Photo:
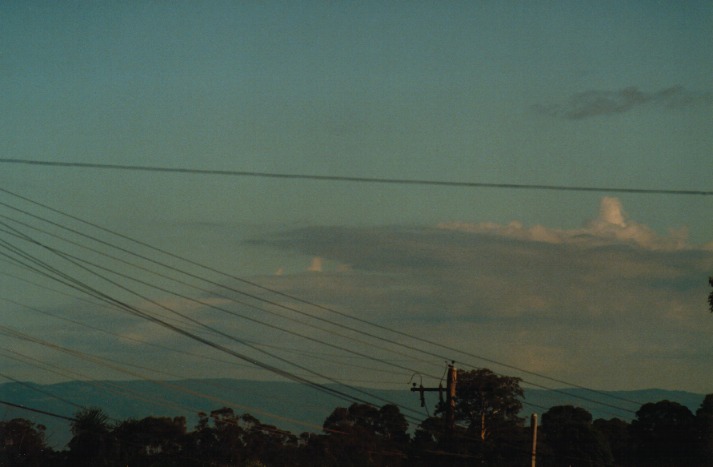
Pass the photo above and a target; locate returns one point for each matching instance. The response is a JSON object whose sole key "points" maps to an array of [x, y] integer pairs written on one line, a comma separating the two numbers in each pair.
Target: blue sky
{"points": [[605, 290]]}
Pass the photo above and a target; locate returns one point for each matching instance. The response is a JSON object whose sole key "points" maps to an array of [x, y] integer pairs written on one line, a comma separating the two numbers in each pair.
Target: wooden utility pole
{"points": [[533, 425], [452, 377], [451, 399]]}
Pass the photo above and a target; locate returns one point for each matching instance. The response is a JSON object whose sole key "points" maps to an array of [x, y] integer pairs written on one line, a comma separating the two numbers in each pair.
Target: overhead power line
{"points": [[353, 179], [43, 412], [68, 279], [305, 302]]}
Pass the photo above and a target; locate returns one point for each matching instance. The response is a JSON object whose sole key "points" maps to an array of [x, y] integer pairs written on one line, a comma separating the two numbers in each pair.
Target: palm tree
{"points": [[93, 443]]}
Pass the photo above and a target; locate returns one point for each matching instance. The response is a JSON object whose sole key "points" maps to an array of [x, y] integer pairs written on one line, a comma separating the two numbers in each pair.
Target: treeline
{"points": [[487, 431]]}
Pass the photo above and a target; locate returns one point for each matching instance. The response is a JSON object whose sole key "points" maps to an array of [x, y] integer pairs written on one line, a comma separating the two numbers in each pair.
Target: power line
{"points": [[142, 314], [73, 259], [218, 308], [305, 302], [121, 367], [43, 412], [353, 179], [162, 322]]}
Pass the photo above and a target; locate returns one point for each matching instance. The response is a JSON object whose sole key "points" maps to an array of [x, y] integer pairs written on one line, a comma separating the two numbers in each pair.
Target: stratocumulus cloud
{"points": [[540, 297], [595, 103]]}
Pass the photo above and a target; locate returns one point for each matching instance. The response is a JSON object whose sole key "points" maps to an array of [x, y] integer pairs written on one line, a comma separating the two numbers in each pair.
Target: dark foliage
{"points": [[488, 432], [664, 434], [22, 443], [570, 438], [615, 433], [488, 429]]}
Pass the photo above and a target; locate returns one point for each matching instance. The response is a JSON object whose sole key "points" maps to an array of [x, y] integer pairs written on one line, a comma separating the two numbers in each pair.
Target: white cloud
{"points": [[611, 212], [611, 227], [315, 265]]}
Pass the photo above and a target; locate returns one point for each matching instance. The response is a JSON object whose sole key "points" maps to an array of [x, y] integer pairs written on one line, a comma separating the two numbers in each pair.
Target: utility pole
{"points": [[451, 399], [452, 377], [533, 425]]}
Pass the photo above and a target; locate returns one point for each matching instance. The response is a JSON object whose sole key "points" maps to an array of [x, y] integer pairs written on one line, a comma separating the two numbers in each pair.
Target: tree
{"points": [[364, 435], [151, 440], [710, 295], [616, 433], [218, 438], [488, 405], [571, 439], [663, 434], [93, 443], [223, 438], [22, 443], [267, 444], [485, 400], [704, 430]]}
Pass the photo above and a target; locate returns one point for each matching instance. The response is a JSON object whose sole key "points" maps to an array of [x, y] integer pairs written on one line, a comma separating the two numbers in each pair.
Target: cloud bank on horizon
{"points": [[611, 304]]}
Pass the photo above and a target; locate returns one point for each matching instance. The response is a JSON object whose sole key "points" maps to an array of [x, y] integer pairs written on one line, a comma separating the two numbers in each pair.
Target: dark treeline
{"points": [[488, 431]]}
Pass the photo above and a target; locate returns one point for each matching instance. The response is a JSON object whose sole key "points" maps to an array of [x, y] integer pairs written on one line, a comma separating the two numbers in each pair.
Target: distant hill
{"points": [[288, 405]]}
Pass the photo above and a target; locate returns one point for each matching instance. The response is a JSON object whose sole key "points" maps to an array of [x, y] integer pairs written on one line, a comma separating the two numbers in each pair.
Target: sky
{"points": [[601, 289]]}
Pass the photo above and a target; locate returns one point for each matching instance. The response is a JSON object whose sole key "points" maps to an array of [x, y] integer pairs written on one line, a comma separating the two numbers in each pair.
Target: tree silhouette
{"points": [[485, 400], [704, 429], [93, 443], [364, 435], [616, 433], [663, 434], [487, 423], [151, 440], [22, 443], [218, 438], [267, 444], [571, 439]]}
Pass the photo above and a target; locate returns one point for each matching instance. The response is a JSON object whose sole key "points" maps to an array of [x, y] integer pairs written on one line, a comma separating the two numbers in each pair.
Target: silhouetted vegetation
{"points": [[488, 431]]}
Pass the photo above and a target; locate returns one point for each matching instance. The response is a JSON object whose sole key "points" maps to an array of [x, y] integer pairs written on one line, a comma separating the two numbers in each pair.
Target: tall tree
{"points": [[364, 435], [486, 400], [218, 438], [22, 443], [487, 422], [616, 433], [92, 443], [268, 444], [151, 440], [663, 434], [704, 429], [571, 439]]}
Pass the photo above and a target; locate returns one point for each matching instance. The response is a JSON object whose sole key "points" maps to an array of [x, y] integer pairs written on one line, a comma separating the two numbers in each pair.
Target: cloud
{"points": [[542, 298], [610, 227], [315, 265], [601, 103]]}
